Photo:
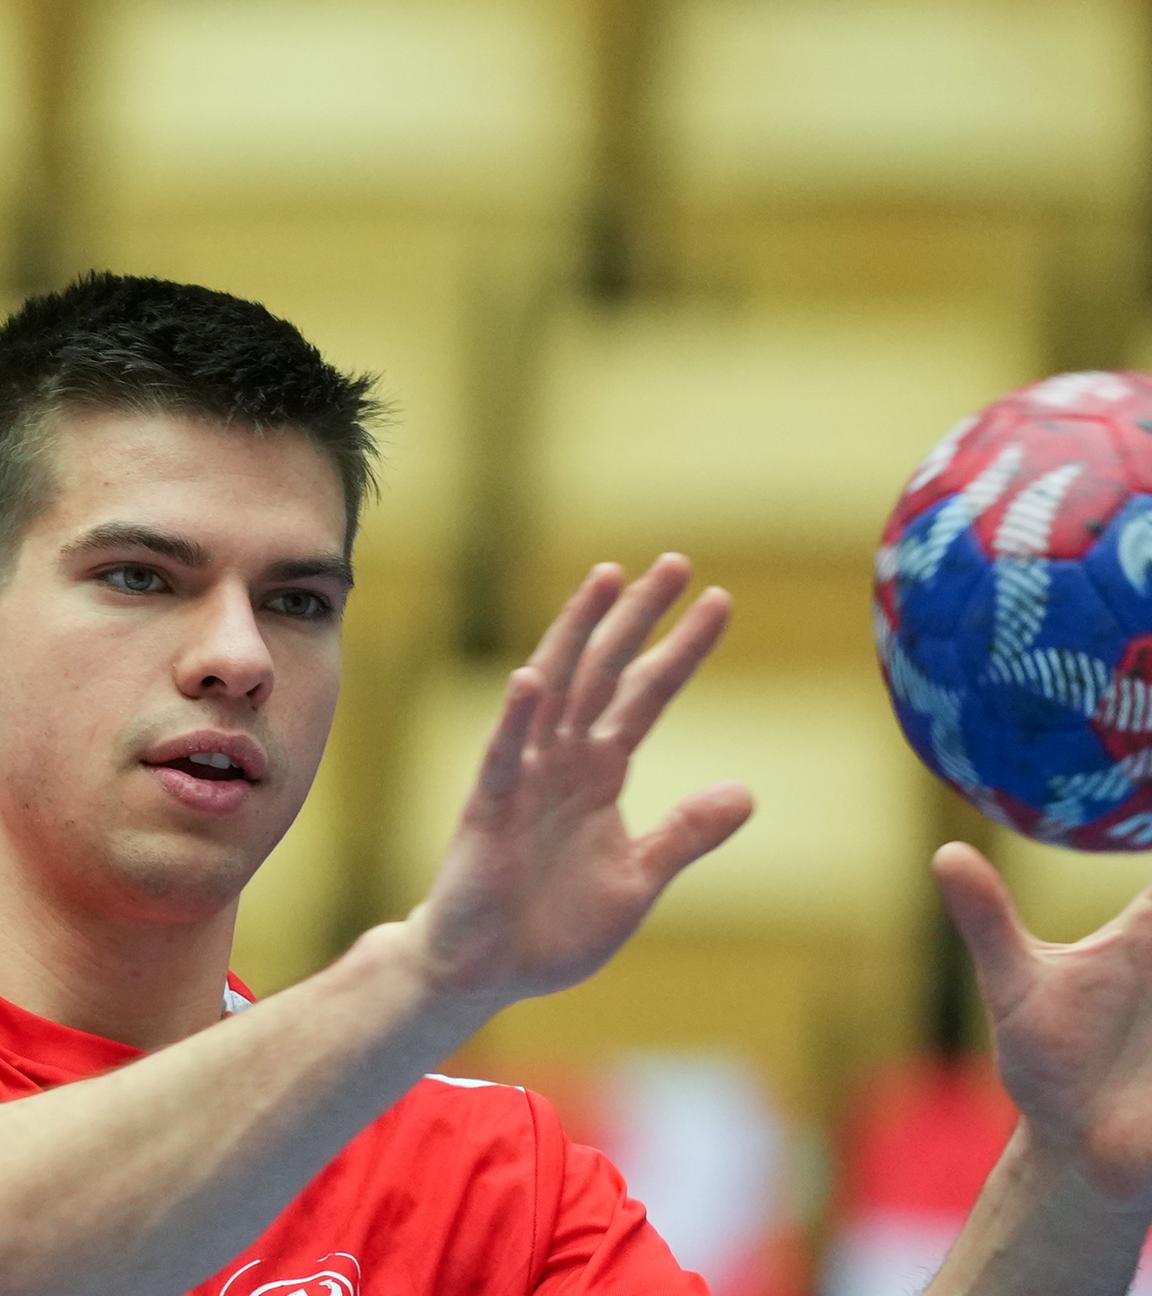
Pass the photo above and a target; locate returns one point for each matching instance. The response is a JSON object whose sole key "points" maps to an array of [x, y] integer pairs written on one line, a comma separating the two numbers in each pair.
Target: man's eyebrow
{"points": [[190, 553]]}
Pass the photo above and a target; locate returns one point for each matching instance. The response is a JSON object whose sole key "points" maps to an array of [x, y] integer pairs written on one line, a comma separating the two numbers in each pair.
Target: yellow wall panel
{"points": [[978, 101], [485, 103], [797, 425]]}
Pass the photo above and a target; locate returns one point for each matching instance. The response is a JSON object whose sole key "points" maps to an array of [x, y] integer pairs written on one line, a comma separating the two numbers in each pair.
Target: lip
{"points": [[207, 796], [238, 747]]}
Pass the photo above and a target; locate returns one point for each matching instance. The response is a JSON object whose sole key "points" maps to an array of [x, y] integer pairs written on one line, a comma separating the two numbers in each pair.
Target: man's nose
{"points": [[224, 652]]}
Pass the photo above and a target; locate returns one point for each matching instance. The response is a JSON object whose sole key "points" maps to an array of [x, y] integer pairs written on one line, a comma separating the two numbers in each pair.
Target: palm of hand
{"points": [[539, 894], [542, 882]]}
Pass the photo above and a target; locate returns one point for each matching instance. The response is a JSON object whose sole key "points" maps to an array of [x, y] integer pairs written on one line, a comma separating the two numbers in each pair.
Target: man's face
{"points": [[109, 650]]}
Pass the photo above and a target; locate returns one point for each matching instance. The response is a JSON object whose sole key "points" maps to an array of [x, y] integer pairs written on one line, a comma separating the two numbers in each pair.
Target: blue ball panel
{"points": [[1120, 566], [927, 695], [1060, 610], [1022, 762], [932, 604]]}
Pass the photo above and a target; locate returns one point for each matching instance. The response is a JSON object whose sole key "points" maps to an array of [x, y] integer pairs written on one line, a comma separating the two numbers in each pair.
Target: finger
{"points": [[620, 637], [981, 907], [559, 651], [503, 760], [654, 679], [699, 824]]}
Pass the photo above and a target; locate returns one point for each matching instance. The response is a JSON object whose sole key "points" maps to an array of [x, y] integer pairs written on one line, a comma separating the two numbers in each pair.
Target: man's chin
{"points": [[153, 878]]}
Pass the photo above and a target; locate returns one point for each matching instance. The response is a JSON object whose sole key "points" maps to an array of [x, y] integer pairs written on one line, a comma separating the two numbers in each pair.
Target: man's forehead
{"points": [[104, 452], [195, 483]]}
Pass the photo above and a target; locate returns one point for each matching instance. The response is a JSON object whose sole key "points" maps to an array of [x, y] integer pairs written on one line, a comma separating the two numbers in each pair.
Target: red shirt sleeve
{"points": [[593, 1237]]}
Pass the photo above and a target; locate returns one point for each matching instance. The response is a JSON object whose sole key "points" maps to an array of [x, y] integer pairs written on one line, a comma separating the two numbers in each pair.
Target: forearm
{"points": [[149, 1179], [1040, 1229]]}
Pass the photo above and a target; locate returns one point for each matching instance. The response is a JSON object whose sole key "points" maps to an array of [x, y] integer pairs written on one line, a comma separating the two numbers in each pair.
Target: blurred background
{"points": [[702, 275]]}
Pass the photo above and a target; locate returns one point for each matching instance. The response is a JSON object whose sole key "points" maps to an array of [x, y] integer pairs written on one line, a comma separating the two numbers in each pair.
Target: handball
{"points": [[1013, 611]]}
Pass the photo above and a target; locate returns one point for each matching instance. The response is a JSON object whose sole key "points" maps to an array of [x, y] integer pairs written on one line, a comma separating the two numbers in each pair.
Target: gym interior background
{"points": [[704, 275]]}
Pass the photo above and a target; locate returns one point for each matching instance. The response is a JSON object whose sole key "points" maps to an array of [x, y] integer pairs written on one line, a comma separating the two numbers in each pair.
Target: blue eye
{"points": [[322, 608], [130, 586]]}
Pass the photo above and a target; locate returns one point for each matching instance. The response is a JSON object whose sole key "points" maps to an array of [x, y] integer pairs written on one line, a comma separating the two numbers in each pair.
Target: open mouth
{"points": [[201, 770]]}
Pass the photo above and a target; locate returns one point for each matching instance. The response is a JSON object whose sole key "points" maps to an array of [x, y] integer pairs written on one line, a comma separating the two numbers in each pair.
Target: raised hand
{"points": [[1072, 1025], [543, 882]]}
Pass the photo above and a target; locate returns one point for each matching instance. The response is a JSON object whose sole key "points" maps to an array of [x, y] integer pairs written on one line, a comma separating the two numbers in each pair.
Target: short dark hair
{"points": [[121, 342]]}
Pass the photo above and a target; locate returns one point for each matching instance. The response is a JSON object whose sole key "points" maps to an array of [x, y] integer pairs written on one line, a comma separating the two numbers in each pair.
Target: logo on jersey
{"points": [[336, 1274]]}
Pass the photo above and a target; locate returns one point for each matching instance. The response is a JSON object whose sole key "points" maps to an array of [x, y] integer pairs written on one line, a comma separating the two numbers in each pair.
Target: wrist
{"points": [[1042, 1224], [392, 955], [1098, 1185]]}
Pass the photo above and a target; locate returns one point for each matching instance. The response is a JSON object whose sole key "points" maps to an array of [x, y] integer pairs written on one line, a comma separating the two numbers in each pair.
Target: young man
{"points": [[180, 483], [181, 478]]}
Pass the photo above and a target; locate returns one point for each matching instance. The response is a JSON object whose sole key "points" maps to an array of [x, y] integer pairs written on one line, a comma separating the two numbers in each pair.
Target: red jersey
{"points": [[461, 1188]]}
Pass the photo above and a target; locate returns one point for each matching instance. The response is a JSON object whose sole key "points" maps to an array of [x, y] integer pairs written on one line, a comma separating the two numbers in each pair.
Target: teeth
{"points": [[217, 759]]}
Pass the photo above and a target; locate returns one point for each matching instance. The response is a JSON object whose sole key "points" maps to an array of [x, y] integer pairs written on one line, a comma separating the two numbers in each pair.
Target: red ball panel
{"points": [[951, 465], [1133, 433], [1123, 720], [1088, 500]]}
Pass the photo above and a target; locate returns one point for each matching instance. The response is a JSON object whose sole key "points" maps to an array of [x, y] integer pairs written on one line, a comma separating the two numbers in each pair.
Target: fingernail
{"points": [[681, 559], [522, 681]]}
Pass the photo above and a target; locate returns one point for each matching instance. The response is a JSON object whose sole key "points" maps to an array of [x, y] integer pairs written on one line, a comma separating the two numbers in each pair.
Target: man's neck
{"points": [[142, 984]]}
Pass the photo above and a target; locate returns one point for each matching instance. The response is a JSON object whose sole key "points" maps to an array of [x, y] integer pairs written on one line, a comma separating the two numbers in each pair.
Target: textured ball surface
{"points": [[1013, 612]]}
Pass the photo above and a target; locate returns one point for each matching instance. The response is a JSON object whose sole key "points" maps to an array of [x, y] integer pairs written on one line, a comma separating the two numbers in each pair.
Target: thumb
{"points": [[981, 908], [699, 824]]}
